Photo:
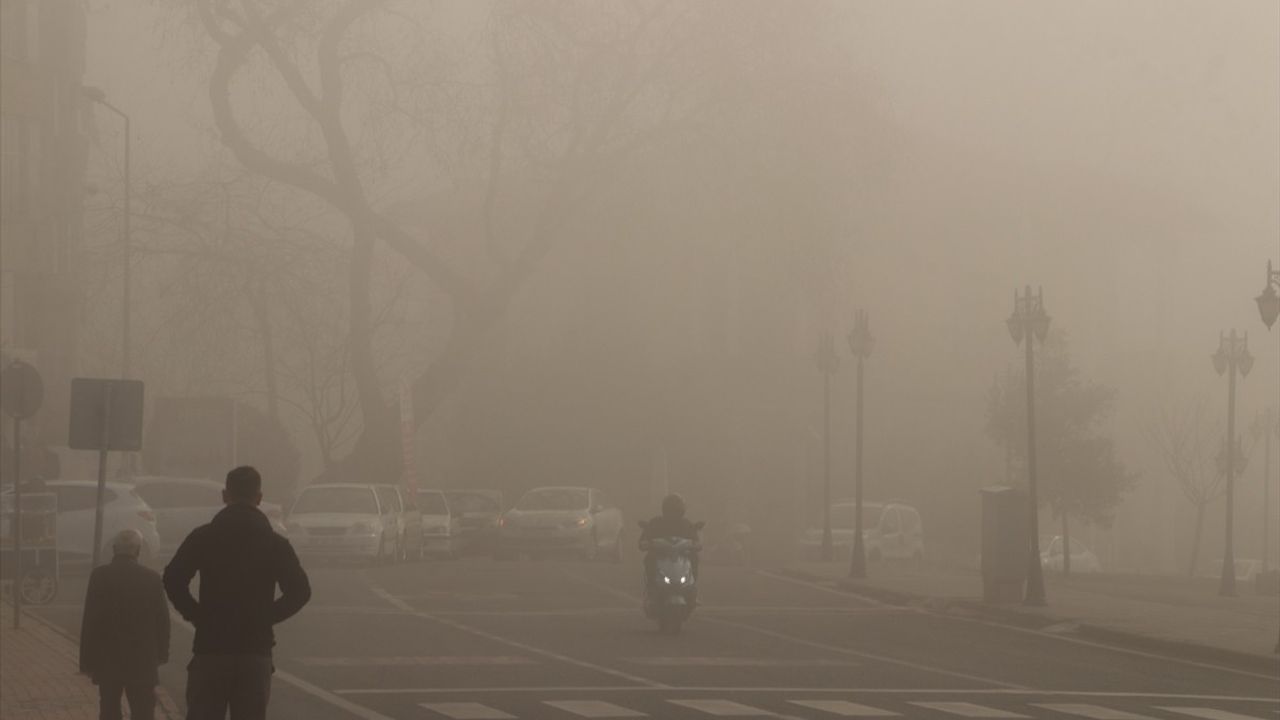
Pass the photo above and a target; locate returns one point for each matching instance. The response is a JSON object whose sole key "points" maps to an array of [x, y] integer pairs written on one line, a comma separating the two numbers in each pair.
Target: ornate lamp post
{"points": [[1269, 308], [1030, 321], [828, 362], [860, 344], [1233, 359]]}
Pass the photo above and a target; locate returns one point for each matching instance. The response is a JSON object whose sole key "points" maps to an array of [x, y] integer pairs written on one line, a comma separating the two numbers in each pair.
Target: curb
{"points": [[1038, 621]]}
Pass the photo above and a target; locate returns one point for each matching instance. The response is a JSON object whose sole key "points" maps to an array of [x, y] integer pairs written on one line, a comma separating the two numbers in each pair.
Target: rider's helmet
{"points": [[673, 507]]}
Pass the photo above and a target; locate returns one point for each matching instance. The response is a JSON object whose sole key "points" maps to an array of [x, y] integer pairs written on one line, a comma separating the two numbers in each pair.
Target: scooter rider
{"points": [[672, 523]]}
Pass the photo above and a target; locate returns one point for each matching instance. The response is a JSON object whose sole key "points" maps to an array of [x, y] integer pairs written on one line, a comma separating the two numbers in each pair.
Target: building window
{"points": [[14, 174]]}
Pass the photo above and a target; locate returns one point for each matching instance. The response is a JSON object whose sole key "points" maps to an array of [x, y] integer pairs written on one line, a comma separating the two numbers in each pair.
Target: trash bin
{"points": [[1004, 544]]}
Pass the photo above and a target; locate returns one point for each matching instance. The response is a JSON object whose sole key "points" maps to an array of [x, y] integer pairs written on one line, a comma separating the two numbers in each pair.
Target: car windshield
{"points": [[432, 503], [554, 500], [336, 500]]}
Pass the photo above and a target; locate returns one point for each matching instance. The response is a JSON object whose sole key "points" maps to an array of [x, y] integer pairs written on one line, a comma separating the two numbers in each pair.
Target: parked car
{"points": [[183, 504], [439, 524], [574, 519], [122, 509], [477, 516], [342, 520], [406, 518], [889, 530], [1082, 558]]}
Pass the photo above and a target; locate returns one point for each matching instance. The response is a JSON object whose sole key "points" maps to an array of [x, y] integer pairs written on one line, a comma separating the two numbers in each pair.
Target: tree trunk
{"points": [[1195, 542], [1066, 545]]}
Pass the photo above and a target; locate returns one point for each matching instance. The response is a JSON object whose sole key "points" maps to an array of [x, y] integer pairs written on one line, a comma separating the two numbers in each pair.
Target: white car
{"points": [[407, 519], [122, 509], [439, 528], [574, 519], [889, 530], [184, 504], [342, 520], [1082, 558]]}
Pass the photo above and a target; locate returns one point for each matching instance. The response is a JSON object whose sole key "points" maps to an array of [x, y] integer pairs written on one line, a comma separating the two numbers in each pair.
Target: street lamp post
{"points": [[97, 96], [860, 344], [1269, 308], [1233, 359], [1030, 321], [828, 362]]}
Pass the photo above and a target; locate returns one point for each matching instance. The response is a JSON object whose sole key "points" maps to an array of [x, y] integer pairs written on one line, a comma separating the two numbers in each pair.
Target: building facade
{"points": [[42, 190]]}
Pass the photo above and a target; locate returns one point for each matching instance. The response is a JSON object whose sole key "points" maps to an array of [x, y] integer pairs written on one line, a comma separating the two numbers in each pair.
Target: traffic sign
{"points": [[21, 390], [106, 414]]}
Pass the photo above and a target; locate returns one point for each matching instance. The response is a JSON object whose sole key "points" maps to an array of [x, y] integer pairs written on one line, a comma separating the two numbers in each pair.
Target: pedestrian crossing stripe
{"points": [[1209, 713], [602, 710], [1093, 712], [691, 661], [594, 709], [965, 709], [844, 708], [414, 661], [467, 711]]}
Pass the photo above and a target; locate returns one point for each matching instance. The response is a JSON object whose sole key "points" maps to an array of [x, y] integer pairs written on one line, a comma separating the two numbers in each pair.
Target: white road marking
{"points": [[865, 655], [594, 709], [412, 661], [684, 661], [397, 602], [722, 708], [844, 708], [964, 709], [809, 643], [467, 711], [1093, 712], [1210, 714], [319, 693], [480, 689]]}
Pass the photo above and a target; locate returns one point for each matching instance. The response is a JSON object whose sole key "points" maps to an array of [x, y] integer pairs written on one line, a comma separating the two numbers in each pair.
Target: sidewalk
{"points": [[1158, 614], [39, 674]]}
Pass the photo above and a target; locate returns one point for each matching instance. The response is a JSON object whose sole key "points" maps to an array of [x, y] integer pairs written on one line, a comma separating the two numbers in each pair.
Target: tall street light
{"points": [[1233, 359], [1030, 321], [1269, 308], [97, 96], [828, 362], [860, 344]]}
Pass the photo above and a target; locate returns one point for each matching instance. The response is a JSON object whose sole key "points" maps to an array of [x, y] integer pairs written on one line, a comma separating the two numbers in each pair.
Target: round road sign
{"points": [[21, 390]]}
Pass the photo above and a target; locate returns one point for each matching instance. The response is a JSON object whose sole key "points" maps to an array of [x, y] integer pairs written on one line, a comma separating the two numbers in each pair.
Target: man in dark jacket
{"points": [[124, 636], [240, 561]]}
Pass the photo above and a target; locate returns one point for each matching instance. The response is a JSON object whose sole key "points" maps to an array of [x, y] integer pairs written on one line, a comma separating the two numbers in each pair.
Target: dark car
{"points": [[477, 515]]}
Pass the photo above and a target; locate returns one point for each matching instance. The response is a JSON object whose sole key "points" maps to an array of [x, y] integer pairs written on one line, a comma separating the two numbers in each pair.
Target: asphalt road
{"points": [[479, 639]]}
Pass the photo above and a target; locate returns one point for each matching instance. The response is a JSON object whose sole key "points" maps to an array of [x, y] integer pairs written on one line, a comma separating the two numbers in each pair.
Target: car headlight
{"points": [[363, 528], [576, 523]]}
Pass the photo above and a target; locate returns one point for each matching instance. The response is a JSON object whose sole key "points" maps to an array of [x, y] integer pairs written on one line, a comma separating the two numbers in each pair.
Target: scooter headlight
{"points": [[666, 579]]}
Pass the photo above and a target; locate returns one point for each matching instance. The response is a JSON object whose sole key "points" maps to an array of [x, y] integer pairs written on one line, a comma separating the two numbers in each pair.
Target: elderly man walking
{"points": [[124, 636], [241, 561]]}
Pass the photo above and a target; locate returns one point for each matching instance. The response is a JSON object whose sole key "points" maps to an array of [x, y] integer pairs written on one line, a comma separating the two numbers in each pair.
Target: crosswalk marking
{"points": [[1093, 712], [1210, 713], [722, 708], [844, 708], [412, 661], [467, 711], [594, 709], [964, 709], [694, 661]]}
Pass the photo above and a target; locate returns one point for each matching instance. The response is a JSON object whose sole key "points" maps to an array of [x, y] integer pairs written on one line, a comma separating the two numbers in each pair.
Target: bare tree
{"points": [[1188, 441]]}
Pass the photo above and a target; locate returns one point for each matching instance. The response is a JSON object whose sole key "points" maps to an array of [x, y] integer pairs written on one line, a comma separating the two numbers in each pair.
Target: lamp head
{"points": [[93, 93], [1269, 304]]}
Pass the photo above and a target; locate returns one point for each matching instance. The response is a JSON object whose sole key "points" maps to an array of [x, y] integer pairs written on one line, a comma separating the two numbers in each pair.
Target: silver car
{"points": [[122, 509], [341, 520], [573, 519], [184, 504]]}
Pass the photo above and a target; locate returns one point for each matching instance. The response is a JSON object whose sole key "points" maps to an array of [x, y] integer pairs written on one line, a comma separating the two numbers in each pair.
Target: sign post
{"points": [[21, 394], [105, 415]]}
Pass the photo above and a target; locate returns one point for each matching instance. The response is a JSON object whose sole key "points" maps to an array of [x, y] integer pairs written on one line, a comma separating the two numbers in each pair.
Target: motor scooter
{"points": [[670, 595]]}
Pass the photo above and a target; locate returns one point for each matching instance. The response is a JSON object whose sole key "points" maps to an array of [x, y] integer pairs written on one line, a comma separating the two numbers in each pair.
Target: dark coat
{"points": [[124, 636], [667, 527], [240, 560]]}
